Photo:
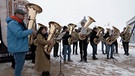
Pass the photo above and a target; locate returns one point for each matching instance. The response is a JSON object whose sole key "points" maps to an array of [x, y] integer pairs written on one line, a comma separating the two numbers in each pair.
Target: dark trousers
{"points": [[55, 51], [126, 47], [83, 49], [33, 50], [75, 46], [94, 47], [116, 46]]}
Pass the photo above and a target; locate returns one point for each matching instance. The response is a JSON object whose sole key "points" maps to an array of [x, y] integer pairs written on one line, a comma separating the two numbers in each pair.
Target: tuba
{"points": [[71, 27], [82, 35], [33, 9], [99, 34], [125, 35], [113, 37], [54, 31]]}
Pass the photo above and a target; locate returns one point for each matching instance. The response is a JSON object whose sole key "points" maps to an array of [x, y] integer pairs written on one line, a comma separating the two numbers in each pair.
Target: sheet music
{"points": [[60, 36]]}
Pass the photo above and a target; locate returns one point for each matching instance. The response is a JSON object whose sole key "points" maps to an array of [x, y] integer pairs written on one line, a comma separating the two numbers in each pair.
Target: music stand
{"points": [[59, 39]]}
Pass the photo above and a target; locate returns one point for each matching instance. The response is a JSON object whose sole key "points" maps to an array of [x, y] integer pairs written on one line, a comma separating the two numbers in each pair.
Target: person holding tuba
{"points": [[83, 44], [75, 44], [42, 63], [93, 35], [125, 37], [66, 45], [109, 47], [17, 39]]}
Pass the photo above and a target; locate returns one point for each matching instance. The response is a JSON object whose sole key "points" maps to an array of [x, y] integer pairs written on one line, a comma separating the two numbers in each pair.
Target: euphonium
{"points": [[54, 31], [33, 9], [89, 21], [114, 36], [125, 35], [71, 27], [99, 34]]}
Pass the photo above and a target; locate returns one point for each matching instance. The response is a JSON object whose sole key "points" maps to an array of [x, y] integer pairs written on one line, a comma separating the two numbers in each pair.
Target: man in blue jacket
{"points": [[17, 38]]}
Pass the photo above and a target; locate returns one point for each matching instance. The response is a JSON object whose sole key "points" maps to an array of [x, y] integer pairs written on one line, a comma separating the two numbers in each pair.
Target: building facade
{"points": [[131, 22]]}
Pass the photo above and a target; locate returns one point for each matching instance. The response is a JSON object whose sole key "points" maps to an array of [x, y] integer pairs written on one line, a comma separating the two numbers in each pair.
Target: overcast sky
{"points": [[114, 12]]}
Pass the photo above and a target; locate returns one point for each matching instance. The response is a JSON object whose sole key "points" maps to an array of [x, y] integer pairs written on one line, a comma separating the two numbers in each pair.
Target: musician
{"points": [[42, 60], [94, 46], [83, 45], [109, 47], [66, 47], [75, 44], [125, 42], [102, 44], [17, 39]]}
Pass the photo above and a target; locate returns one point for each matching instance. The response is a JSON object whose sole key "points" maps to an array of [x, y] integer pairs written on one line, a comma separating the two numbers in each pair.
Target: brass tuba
{"points": [[125, 35], [99, 34], [82, 36], [54, 31], [113, 37], [71, 27], [33, 9]]}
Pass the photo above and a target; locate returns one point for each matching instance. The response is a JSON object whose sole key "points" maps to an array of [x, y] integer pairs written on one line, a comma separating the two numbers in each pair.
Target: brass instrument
{"points": [[125, 35], [71, 27], [99, 34], [114, 36], [82, 35], [54, 31], [33, 9]]}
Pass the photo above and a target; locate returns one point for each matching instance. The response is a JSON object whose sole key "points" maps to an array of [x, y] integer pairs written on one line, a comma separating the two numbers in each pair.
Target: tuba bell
{"points": [[54, 31], [125, 35], [84, 33], [71, 27], [113, 37], [33, 9], [99, 34]]}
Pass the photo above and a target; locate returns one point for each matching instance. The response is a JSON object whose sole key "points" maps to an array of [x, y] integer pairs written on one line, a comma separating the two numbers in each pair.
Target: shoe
{"points": [[70, 60], [85, 61], [81, 60], [65, 62], [108, 58], [95, 58], [112, 57], [127, 54]]}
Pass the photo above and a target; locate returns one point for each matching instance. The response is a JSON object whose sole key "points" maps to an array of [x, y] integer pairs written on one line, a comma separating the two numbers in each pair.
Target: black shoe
{"points": [[108, 58], [127, 54], [85, 61], [81, 60], [112, 57], [95, 58], [43, 73]]}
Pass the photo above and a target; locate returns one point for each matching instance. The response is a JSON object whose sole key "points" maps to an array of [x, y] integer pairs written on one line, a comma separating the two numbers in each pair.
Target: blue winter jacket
{"points": [[17, 37]]}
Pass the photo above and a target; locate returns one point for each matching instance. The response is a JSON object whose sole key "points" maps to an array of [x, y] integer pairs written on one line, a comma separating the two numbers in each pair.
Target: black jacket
{"points": [[93, 36], [65, 38]]}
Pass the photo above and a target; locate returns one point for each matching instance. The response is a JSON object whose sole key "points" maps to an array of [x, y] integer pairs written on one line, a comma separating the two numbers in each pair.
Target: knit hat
{"points": [[19, 11]]}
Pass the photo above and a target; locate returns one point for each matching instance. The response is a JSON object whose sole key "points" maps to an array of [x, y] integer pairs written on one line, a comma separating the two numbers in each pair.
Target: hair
{"points": [[40, 29]]}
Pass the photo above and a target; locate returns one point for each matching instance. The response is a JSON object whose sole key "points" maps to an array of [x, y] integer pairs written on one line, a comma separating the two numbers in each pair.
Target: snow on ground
{"points": [[122, 65]]}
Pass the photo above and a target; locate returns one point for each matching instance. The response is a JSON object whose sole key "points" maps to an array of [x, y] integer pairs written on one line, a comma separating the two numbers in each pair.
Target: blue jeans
{"points": [[94, 47], [109, 49], [65, 49], [103, 43], [19, 62]]}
